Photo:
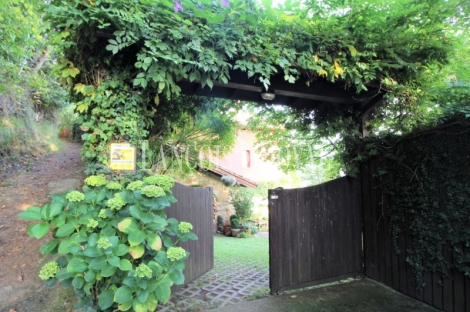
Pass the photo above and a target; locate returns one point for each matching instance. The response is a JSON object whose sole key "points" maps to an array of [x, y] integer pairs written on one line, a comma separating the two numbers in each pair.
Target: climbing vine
{"points": [[137, 51], [426, 175]]}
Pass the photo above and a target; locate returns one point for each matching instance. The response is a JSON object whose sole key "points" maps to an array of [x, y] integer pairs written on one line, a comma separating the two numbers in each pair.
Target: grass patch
{"points": [[23, 137], [247, 250]]}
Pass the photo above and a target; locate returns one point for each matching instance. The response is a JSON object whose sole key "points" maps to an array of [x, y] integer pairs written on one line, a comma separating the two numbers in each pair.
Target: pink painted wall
{"points": [[245, 161]]}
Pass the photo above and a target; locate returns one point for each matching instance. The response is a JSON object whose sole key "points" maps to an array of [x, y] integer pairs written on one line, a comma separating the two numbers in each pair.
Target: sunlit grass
{"points": [[20, 137], [244, 250]]}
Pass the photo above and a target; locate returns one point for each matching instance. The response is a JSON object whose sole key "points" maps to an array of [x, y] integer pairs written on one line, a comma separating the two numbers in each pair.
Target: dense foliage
{"points": [[116, 51], [196, 140], [242, 201], [119, 250], [425, 176]]}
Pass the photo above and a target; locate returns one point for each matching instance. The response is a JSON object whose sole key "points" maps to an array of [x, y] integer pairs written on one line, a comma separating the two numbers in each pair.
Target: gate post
{"points": [[273, 207]]}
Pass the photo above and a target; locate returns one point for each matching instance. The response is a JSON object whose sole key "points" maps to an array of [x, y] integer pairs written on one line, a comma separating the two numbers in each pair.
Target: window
{"points": [[246, 159]]}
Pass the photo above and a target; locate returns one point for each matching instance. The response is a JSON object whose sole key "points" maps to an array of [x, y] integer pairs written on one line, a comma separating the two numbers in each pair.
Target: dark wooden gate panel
{"points": [[383, 264], [195, 206], [315, 234]]}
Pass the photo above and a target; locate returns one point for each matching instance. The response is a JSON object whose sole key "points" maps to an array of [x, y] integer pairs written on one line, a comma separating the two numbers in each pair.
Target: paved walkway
{"points": [[230, 282], [355, 296]]}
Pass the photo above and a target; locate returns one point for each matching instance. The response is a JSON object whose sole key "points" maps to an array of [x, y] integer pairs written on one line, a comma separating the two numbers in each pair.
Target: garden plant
{"points": [[116, 246]]}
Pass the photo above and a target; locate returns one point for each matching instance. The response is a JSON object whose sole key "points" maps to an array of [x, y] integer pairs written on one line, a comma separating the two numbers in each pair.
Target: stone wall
{"points": [[221, 192]]}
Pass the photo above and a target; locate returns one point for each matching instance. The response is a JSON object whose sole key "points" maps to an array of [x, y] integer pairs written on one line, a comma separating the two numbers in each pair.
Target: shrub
{"points": [[235, 223], [233, 217], [118, 249], [220, 219], [242, 202]]}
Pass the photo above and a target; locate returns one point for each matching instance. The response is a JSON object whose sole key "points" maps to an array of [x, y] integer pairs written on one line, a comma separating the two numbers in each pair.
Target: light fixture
{"points": [[268, 96]]}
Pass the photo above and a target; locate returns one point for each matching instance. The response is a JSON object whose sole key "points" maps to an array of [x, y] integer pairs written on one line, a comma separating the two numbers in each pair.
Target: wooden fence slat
{"points": [[427, 291], [312, 241], [374, 219], [388, 246], [367, 220], [194, 205], [459, 291], [437, 290], [448, 287], [467, 293]]}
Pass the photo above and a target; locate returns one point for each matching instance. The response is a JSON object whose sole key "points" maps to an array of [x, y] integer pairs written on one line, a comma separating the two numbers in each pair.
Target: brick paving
{"points": [[227, 283]]}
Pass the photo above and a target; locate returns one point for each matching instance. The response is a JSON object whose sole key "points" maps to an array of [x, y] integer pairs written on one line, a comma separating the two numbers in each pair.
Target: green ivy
{"points": [[133, 53], [425, 175], [118, 248]]}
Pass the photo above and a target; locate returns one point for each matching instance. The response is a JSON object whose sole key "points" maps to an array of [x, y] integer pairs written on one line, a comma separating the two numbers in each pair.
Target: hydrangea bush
{"points": [[117, 247]]}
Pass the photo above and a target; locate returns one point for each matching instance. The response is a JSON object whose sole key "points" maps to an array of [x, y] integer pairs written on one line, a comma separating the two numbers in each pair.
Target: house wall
{"points": [[245, 161]]}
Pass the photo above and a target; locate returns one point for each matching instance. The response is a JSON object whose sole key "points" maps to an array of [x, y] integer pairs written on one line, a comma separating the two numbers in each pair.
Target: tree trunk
{"points": [[41, 60]]}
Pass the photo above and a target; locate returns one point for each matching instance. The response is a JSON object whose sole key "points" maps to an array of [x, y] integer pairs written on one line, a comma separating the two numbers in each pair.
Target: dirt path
{"points": [[21, 289]]}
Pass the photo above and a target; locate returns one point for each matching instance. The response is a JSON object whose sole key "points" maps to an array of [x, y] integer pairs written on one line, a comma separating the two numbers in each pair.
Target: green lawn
{"points": [[252, 250]]}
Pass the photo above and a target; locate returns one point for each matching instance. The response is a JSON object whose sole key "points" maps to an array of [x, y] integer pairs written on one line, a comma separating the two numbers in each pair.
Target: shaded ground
{"points": [[355, 296], [20, 258]]}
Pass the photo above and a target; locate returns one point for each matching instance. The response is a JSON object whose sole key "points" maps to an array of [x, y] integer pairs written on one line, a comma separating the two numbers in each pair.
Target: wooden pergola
{"points": [[318, 93]]}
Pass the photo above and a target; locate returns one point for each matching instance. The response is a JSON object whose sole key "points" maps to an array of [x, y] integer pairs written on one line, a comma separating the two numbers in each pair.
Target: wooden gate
{"points": [[195, 206], [315, 234]]}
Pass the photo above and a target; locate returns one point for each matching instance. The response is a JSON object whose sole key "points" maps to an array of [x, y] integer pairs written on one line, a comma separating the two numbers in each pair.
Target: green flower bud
{"points": [[102, 214], [104, 243], [92, 224], [143, 271], [116, 203], [95, 180], [175, 253], [185, 227], [153, 191], [114, 186], [136, 185], [164, 182], [75, 196], [49, 270]]}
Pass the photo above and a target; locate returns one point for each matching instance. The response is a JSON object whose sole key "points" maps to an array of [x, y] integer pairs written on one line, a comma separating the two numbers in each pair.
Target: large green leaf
{"points": [[89, 276], [106, 299], [59, 220], [32, 213], [64, 274], [138, 306], [77, 265], [152, 302], [137, 251], [65, 230], [154, 241], [135, 238], [92, 239], [125, 265], [125, 306], [108, 271], [38, 230], [120, 250], [128, 225], [78, 282], [177, 277], [142, 295], [50, 247], [92, 252], [114, 261], [55, 209], [163, 292], [65, 245], [97, 264], [123, 294]]}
